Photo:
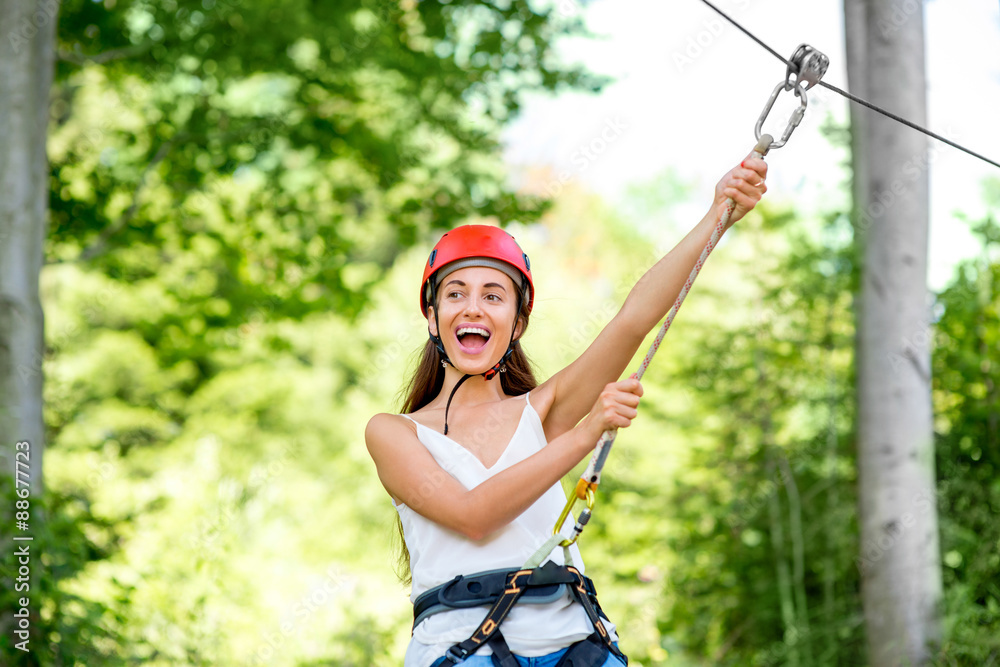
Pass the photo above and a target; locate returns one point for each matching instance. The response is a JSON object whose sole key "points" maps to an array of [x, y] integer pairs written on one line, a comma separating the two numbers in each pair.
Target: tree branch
{"points": [[77, 57], [100, 245]]}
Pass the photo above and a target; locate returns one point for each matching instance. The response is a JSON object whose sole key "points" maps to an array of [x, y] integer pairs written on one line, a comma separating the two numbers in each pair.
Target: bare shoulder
{"points": [[384, 429]]}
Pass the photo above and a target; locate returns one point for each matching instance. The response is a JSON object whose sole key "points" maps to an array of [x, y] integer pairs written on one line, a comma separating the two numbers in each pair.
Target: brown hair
{"points": [[425, 384]]}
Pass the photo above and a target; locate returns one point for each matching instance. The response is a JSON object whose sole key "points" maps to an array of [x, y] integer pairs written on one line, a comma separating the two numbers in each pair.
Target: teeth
{"points": [[473, 330]]}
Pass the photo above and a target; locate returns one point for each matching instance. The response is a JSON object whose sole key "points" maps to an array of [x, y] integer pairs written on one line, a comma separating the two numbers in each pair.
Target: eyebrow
{"points": [[462, 284]]}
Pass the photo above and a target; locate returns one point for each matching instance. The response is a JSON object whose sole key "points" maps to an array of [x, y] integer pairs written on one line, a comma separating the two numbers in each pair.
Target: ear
{"points": [[518, 328], [431, 321]]}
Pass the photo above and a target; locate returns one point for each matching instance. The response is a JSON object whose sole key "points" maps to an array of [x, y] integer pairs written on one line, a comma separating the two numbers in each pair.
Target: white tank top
{"points": [[438, 555]]}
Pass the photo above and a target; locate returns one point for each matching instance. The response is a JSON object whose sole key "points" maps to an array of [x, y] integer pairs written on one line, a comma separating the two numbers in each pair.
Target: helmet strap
{"points": [[451, 396], [438, 343]]}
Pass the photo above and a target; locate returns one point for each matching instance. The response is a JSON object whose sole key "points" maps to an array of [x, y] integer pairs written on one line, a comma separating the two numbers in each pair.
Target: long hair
{"points": [[425, 384]]}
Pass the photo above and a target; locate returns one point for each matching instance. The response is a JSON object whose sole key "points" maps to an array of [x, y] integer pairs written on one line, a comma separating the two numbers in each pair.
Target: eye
{"points": [[493, 297]]}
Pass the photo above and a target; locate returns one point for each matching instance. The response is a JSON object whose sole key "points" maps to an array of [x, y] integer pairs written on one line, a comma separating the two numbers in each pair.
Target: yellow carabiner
{"points": [[590, 498]]}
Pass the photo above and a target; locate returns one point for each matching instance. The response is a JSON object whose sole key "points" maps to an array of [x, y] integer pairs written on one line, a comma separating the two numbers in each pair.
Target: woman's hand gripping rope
{"points": [[741, 188], [735, 194]]}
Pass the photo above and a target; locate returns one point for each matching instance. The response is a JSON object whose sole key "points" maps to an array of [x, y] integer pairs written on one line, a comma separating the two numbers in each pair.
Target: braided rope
{"points": [[592, 475]]}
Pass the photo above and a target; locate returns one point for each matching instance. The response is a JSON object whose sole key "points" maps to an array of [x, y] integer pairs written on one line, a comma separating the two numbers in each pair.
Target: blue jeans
{"points": [[541, 661]]}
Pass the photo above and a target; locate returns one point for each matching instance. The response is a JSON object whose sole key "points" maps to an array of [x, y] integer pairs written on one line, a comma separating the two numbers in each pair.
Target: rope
{"points": [[587, 485], [592, 475], [855, 98]]}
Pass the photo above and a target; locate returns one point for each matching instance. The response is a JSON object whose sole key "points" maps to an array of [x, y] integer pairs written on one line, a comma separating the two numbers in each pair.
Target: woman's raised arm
{"points": [[571, 392]]}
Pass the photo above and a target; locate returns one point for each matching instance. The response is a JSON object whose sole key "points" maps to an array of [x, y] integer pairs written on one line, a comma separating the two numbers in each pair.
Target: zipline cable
{"points": [[855, 98]]}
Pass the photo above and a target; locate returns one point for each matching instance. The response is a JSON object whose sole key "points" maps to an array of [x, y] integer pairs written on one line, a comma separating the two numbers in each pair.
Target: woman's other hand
{"points": [[616, 407], [744, 184]]}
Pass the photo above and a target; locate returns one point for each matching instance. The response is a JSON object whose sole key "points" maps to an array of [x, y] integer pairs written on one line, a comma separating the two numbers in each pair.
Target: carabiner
{"points": [[805, 68], [590, 497], [793, 120]]}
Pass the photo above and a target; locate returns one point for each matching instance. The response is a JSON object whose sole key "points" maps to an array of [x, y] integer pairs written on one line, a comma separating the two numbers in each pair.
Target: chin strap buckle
{"points": [[496, 370]]}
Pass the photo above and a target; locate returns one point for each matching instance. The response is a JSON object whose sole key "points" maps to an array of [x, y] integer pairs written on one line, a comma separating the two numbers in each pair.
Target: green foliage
{"points": [[967, 421], [229, 182], [764, 544], [295, 148], [241, 199], [225, 510]]}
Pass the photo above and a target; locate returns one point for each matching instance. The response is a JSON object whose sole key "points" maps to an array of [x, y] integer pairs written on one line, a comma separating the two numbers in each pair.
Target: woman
{"points": [[473, 465]]}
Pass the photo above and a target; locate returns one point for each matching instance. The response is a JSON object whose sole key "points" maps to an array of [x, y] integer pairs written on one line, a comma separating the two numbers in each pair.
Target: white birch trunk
{"points": [[27, 48], [899, 558]]}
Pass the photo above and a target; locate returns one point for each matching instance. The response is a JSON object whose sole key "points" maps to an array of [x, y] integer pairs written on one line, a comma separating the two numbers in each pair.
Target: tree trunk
{"points": [[27, 49], [899, 561]]}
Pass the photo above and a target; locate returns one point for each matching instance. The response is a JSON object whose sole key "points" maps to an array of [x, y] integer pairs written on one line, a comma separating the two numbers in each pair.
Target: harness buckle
{"points": [[805, 69], [456, 654]]}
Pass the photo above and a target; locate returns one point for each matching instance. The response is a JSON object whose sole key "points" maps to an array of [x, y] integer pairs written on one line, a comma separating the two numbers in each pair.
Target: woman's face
{"points": [[476, 311]]}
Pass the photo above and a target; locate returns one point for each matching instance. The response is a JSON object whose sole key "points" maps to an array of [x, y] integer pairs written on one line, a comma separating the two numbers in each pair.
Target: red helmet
{"points": [[476, 245]]}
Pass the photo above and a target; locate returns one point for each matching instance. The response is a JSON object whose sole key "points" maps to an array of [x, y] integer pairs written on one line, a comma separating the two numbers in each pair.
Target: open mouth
{"points": [[472, 339]]}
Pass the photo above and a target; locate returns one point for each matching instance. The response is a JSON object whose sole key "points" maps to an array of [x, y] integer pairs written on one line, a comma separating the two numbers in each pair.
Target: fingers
{"points": [[753, 172], [631, 386], [755, 164], [746, 189], [617, 405], [745, 185]]}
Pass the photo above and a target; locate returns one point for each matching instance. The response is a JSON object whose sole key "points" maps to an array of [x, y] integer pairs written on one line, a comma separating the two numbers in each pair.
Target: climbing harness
{"points": [[537, 583], [805, 68], [501, 589]]}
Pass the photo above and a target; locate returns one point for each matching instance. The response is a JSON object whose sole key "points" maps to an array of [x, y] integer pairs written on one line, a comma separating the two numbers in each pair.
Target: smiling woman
{"points": [[473, 465]]}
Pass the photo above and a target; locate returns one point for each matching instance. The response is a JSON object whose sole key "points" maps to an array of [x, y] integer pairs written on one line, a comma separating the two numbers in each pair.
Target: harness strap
{"points": [[589, 652], [587, 597], [502, 657], [518, 582], [516, 585], [477, 590]]}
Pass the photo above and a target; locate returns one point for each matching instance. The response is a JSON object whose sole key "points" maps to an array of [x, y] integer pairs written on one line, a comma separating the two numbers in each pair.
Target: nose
{"points": [[473, 306]]}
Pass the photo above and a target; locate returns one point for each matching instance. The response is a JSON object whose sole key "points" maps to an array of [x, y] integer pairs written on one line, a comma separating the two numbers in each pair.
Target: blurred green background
{"points": [[243, 196]]}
